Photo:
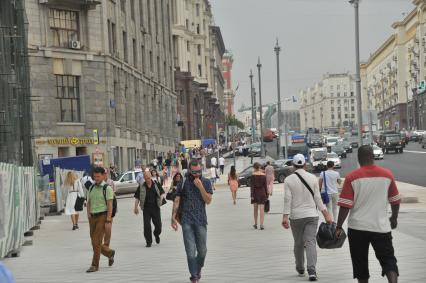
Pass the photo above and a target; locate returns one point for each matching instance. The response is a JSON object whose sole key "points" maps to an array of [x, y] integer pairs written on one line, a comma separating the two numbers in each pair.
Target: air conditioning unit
{"points": [[75, 44]]}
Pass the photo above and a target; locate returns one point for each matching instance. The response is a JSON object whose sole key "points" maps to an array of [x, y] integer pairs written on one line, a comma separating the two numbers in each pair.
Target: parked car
{"points": [[378, 152], [254, 149], [281, 172], [332, 156], [391, 141], [126, 182], [339, 150]]}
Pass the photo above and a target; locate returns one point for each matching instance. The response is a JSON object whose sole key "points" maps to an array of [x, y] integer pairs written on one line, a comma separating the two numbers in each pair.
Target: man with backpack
{"points": [[100, 213]]}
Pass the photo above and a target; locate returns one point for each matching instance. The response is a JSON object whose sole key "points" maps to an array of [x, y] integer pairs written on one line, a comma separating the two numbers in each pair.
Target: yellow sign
{"points": [[71, 141], [95, 136], [387, 123]]}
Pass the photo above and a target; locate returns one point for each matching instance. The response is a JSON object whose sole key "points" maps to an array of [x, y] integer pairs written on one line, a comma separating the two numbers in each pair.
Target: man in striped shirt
{"points": [[366, 194]]}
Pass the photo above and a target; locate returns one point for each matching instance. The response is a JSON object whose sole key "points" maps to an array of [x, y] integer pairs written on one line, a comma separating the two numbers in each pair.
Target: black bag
{"points": [[114, 200], [79, 202], [171, 194], [326, 237], [267, 206], [163, 202]]}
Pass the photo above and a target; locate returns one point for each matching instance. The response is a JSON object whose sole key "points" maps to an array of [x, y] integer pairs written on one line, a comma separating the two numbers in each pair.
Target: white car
{"points": [[126, 182], [332, 156], [378, 152], [330, 141], [318, 158]]}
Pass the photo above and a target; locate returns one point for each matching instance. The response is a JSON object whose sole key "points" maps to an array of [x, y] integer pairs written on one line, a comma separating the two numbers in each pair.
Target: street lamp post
{"points": [[253, 113], [277, 50], [262, 150], [358, 72]]}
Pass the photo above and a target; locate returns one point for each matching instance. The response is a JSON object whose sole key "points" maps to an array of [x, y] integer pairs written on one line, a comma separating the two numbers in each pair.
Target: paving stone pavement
{"points": [[236, 252]]}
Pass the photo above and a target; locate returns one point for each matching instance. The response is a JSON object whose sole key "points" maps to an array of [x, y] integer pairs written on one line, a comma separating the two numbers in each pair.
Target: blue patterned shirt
{"points": [[193, 206]]}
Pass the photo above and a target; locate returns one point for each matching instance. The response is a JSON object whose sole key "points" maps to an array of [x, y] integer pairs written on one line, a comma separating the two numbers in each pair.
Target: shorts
{"points": [[359, 243]]}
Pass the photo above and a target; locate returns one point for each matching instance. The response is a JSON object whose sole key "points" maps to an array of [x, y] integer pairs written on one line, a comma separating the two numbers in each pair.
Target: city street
{"points": [[237, 253]]}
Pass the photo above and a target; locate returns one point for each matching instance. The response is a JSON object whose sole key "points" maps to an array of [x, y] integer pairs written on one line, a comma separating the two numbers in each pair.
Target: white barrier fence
{"points": [[19, 206]]}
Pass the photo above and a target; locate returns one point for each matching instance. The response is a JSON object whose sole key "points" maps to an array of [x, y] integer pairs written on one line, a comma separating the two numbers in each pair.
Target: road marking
{"points": [[412, 151]]}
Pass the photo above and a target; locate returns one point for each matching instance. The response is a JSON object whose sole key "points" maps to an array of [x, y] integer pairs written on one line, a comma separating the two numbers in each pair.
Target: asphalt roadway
{"points": [[409, 167]]}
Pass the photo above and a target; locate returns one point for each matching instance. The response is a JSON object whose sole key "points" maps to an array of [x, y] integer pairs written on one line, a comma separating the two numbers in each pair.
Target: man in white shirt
{"points": [[301, 199], [213, 162], [328, 181], [221, 164]]}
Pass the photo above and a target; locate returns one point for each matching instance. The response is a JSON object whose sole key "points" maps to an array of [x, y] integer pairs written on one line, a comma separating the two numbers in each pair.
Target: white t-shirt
{"points": [[221, 161], [213, 172], [331, 178], [213, 161]]}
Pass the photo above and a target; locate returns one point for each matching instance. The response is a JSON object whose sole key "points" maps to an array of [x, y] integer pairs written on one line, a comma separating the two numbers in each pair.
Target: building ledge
{"points": [[86, 4], [70, 124]]}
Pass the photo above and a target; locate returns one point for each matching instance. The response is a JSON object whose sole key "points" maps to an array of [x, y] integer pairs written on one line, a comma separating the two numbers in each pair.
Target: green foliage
{"points": [[232, 121]]}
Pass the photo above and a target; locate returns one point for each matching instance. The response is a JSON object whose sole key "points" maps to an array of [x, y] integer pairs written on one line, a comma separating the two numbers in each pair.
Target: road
{"points": [[408, 167]]}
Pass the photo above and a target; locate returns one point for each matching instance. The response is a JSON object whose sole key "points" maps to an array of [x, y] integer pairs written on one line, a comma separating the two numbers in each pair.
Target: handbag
{"points": [[326, 237], [79, 202], [267, 206], [171, 194], [324, 194]]}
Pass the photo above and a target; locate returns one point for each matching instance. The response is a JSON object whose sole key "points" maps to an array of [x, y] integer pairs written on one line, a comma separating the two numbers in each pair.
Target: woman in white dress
{"points": [[73, 185]]}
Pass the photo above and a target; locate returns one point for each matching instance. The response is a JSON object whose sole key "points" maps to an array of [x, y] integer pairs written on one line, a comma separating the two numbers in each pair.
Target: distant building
{"points": [[329, 103], [289, 117], [227, 63]]}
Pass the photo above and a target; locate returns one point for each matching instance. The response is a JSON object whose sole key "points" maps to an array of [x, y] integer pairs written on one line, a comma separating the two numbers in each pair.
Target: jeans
{"points": [[332, 205], [195, 240], [304, 234]]}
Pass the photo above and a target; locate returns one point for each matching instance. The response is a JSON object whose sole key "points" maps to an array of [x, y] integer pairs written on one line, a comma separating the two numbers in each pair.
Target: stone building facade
{"points": [[102, 68], [227, 62], [329, 103], [198, 51]]}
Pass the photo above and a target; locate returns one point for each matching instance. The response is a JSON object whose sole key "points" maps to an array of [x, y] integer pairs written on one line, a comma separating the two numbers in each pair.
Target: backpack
{"points": [[114, 200]]}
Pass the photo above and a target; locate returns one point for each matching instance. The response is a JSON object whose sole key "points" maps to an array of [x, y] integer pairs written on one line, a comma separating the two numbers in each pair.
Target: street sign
{"points": [[95, 136]]}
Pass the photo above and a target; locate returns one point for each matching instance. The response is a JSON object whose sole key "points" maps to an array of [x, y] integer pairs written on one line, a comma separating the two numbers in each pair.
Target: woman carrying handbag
{"points": [[75, 197]]}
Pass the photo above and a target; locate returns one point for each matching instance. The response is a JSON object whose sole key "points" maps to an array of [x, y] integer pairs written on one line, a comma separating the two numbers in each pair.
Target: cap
{"points": [[299, 159]]}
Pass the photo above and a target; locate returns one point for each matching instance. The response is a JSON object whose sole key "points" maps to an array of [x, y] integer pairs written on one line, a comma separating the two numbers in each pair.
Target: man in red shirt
{"points": [[366, 194]]}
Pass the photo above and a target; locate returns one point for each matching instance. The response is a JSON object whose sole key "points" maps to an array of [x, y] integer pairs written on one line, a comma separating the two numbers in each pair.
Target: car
{"points": [[314, 140], [332, 156], [330, 141], [391, 141], [289, 162], [281, 172], [347, 146], [378, 152], [126, 183], [354, 144], [318, 158], [339, 150], [254, 149]]}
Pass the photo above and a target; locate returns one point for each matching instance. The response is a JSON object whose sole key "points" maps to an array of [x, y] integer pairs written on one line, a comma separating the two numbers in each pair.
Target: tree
{"points": [[232, 121]]}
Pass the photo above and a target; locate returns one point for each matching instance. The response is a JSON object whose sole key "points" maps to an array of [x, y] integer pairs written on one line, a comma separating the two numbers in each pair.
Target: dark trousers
{"points": [[151, 213], [222, 168]]}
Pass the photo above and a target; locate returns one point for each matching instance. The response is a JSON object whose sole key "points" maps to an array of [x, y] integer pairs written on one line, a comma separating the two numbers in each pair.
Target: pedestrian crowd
{"points": [[364, 199]]}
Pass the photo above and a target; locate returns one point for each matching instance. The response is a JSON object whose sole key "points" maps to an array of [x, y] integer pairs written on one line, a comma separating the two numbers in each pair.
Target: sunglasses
{"points": [[193, 172]]}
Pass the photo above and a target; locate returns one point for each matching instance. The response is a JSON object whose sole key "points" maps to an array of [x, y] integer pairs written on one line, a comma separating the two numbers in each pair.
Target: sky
{"points": [[316, 37]]}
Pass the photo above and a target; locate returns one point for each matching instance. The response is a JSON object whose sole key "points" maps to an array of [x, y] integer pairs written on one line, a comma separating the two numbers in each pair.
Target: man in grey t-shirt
{"points": [[331, 179]]}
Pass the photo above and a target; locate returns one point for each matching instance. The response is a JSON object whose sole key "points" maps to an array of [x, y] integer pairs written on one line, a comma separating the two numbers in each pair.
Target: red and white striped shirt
{"points": [[367, 192]]}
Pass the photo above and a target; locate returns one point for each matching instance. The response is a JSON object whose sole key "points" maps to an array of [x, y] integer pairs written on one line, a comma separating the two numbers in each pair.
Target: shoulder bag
{"points": [[324, 194], [306, 185], [79, 201]]}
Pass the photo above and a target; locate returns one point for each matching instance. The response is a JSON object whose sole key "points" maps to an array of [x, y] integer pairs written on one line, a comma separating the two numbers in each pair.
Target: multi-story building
{"points": [[329, 103], [291, 118], [198, 52], [102, 68], [392, 75], [227, 62]]}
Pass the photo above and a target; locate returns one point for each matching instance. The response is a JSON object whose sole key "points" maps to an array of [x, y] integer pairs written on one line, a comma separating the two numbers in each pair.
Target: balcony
{"points": [[83, 4]]}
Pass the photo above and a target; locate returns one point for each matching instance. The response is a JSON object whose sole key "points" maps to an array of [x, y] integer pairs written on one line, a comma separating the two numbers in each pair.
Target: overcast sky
{"points": [[316, 37]]}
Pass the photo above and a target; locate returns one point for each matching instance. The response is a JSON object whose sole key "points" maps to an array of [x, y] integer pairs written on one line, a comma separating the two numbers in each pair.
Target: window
{"points": [[197, 9], [189, 66], [109, 37], [156, 16], [332, 116], [200, 73], [135, 53], [143, 58], [188, 46], [199, 49], [352, 101], [346, 116], [114, 38], [132, 9], [338, 87], [123, 6], [352, 108], [332, 102], [128, 177], [141, 12], [64, 26], [345, 94], [352, 93], [198, 29], [338, 94], [149, 16], [187, 24], [68, 94], [126, 53], [165, 72], [151, 62], [332, 109], [353, 115], [158, 68]]}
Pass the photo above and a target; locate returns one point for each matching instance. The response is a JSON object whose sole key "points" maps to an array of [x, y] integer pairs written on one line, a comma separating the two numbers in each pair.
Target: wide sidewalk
{"points": [[236, 252]]}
